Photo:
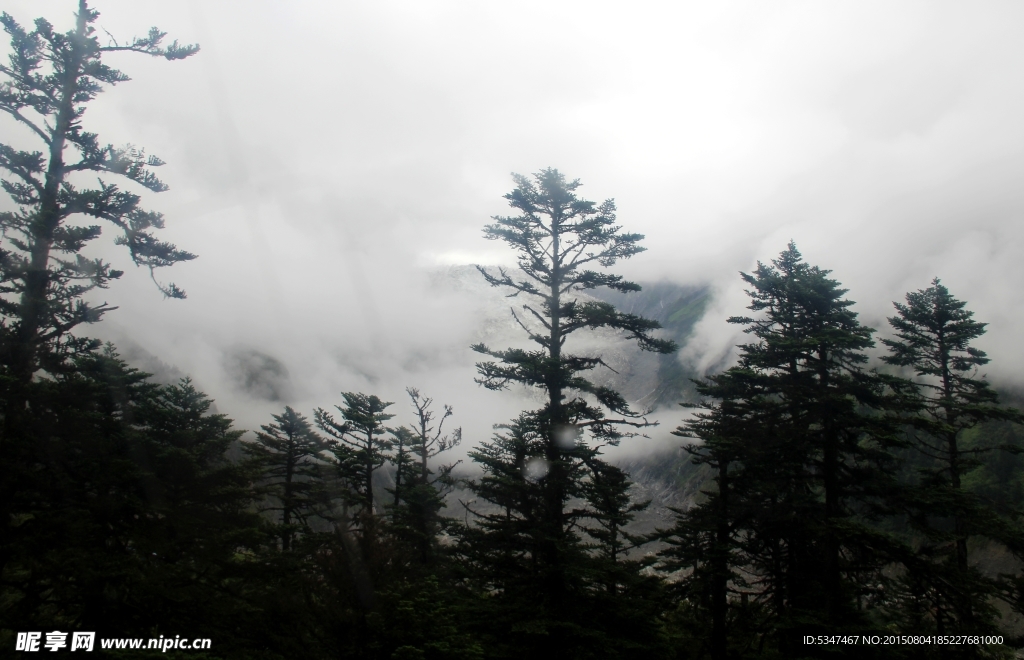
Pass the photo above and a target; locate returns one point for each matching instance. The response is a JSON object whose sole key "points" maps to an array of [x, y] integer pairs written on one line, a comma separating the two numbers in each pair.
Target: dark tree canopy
{"points": [[361, 447], [800, 438], [933, 336], [546, 472], [420, 489], [557, 238], [291, 459]]}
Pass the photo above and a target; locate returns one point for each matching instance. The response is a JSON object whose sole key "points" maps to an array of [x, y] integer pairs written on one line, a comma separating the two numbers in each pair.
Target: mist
{"points": [[332, 162]]}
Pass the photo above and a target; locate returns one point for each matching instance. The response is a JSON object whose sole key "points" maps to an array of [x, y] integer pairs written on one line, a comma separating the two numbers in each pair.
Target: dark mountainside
{"points": [[677, 308], [667, 480], [822, 506]]}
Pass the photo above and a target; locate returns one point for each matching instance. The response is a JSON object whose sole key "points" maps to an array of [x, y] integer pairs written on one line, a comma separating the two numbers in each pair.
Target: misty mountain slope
{"points": [[677, 308], [666, 480], [645, 379]]}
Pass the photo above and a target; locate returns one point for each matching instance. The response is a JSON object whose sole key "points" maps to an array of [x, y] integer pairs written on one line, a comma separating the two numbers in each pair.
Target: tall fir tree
{"points": [[499, 553], [705, 546], [361, 447], [75, 502], [424, 486], [934, 333], [47, 84], [200, 532], [802, 440], [291, 459], [50, 80], [558, 238]]}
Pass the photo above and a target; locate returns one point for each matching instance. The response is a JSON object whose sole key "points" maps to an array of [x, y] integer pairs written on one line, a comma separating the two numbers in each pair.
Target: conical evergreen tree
{"points": [[705, 546], [291, 461], [499, 553], [134, 522], [75, 502], [933, 336], [361, 448], [200, 532], [802, 445]]}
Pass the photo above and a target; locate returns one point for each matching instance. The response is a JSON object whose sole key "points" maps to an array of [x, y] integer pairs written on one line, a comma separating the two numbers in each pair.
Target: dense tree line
{"points": [[842, 495], [839, 503]]}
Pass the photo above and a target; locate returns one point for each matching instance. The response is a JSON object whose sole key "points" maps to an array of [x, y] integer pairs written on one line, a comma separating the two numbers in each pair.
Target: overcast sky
{"points": [[326, 158]]}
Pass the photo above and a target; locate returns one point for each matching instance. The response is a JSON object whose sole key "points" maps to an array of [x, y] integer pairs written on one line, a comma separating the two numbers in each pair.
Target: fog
{"points": [[330, 163]]}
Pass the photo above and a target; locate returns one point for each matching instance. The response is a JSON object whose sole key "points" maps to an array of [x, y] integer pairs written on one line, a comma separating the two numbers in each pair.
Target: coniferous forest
{"points": [[841, 496]]}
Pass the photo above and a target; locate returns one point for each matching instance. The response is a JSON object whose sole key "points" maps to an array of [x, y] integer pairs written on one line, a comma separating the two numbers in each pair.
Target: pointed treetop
{"points": [[931, 322]]}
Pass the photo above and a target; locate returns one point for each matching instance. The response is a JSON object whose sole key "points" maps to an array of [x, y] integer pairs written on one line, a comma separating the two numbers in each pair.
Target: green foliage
{"points": [[557, 592], [289, 457], [50, 80], [419, 490], [556, 237], [933, 336], [834, 500], [360, 447], [801, 440], [426, 623], [74, 500]]}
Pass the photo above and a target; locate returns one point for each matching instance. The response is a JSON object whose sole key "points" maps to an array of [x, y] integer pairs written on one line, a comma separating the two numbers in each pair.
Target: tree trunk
{"points": [[287, 504], [554, 482], [830, 477], [964, 608], [720, 569], [32, 306]]}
